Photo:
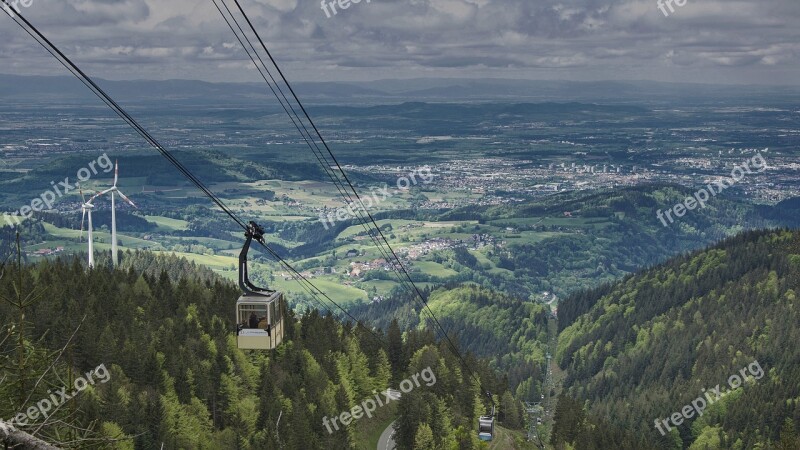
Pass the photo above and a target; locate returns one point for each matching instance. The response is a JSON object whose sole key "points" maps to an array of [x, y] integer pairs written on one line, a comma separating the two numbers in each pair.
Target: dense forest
{"points": [[641, 349], [175, 377]]}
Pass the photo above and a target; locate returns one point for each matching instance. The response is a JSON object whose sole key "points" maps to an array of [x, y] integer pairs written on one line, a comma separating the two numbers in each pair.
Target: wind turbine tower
{"points": [[115, 190], [87, 207]]}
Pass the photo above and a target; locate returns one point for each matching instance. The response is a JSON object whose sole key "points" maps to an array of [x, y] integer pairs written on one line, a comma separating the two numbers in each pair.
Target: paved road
{"points": [[386, 442]]}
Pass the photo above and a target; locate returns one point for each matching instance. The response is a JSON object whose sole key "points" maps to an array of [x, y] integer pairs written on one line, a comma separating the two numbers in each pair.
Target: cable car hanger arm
{"points": [[254, 231]]}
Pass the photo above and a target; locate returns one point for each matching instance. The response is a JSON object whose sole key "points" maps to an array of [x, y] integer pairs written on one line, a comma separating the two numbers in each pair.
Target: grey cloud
{"points": [[514, 38]]}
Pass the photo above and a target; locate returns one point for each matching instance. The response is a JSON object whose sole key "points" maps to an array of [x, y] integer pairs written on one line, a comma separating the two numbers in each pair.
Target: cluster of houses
{"points": [[483, 239], [423, 248], [310, 273], [48, 251], [358, 269]]}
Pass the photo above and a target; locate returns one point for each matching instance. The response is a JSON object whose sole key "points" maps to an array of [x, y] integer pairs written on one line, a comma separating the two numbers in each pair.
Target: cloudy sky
{"points": [[710, 41]]}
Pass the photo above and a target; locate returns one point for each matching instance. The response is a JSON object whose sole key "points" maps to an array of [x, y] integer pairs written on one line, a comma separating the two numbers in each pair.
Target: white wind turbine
{"points": [[114, 190], [87, 207]]}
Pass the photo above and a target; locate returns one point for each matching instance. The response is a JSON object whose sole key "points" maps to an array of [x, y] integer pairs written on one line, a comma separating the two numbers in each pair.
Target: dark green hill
{"points": [[508, 332], [650, 345]]}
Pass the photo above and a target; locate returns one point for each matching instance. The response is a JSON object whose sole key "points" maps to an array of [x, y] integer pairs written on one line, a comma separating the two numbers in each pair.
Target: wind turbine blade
{"points": [[124, 197], [116, 172], [81, 191], [100, 194]]}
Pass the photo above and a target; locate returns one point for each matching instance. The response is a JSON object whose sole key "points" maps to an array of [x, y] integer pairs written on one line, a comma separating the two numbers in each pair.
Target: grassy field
{"points": [[212, 261], [435, 269], [356, 229], [516, 221], [383, 287], [500, 271], [100, 237], [6, 219], [216, 244], [575, 222], [341, 294], [167, 224], [532, 237], [481, 257]]}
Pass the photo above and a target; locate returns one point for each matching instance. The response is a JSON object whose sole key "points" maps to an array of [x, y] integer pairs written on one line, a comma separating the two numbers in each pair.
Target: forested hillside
{"points": [[509, 332], [175, 376], [31, 231], [602, 236], [656, 342]]}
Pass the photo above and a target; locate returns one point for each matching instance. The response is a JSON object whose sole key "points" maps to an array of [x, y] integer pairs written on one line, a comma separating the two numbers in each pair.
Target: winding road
{"points": [[386, 442]]}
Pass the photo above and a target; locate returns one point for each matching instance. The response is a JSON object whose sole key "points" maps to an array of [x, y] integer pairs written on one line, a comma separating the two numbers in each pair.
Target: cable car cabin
{"points": [[259, 312], [486, 428], [260, 321]]}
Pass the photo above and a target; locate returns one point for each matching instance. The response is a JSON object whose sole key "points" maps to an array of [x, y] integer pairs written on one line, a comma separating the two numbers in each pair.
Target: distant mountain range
{"points": [[63, 88]]}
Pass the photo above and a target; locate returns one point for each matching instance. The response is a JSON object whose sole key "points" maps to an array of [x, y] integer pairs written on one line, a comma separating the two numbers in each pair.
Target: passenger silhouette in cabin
{"points": [[253, 320], [264, 325]]}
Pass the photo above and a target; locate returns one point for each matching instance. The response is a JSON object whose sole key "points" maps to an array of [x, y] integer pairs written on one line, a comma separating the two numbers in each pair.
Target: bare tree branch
{"points": [[20, 439]]}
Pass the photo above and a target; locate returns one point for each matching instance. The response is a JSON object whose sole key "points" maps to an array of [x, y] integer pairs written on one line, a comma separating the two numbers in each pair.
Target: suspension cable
{"points": [[102, 95], [304, 132], [399, 263]]}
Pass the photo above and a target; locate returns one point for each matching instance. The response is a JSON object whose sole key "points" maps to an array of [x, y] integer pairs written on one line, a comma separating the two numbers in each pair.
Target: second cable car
{"points": [[486, 426], [259, 312]]}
